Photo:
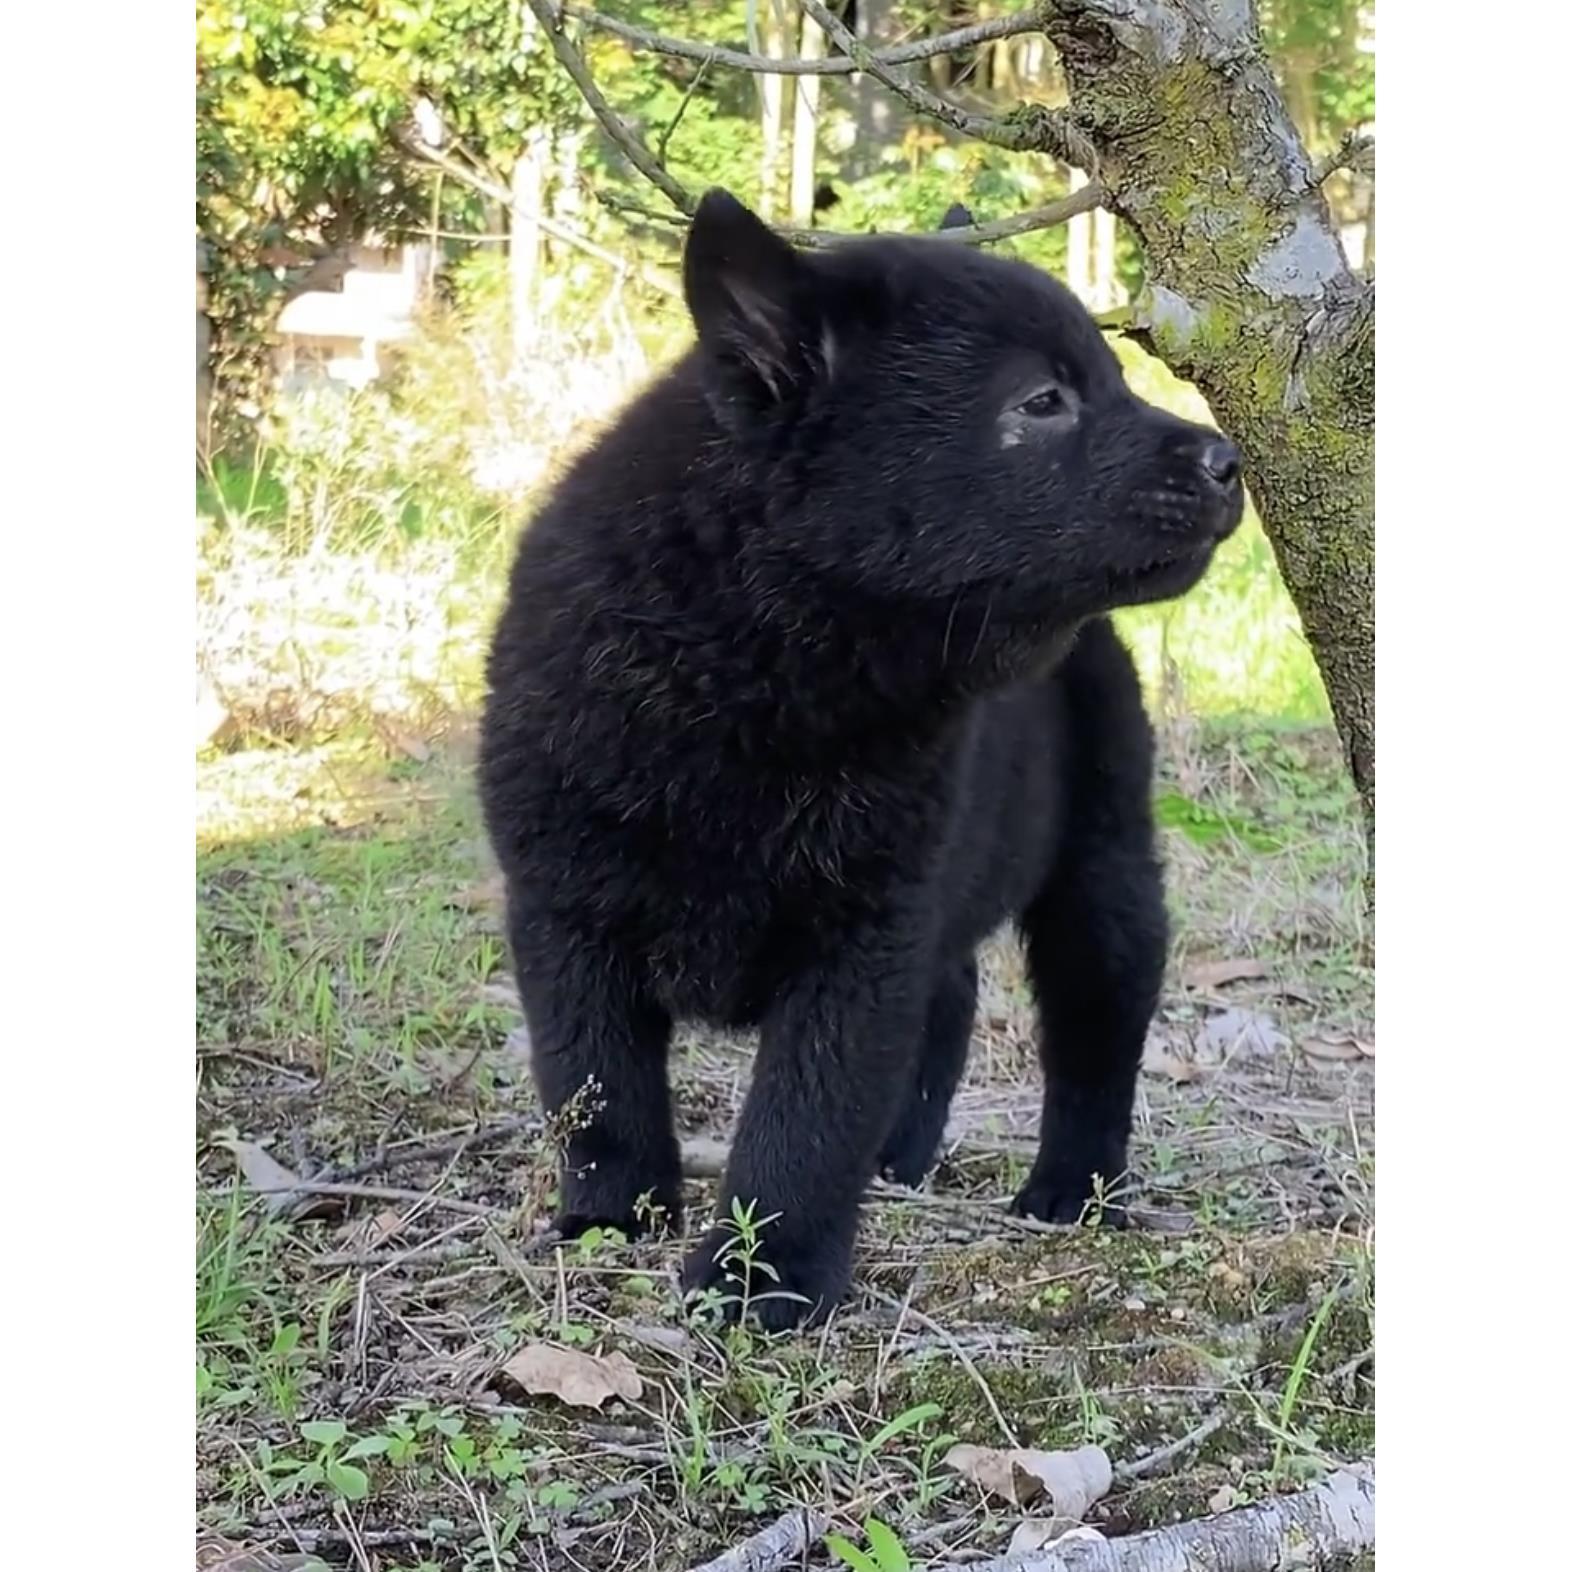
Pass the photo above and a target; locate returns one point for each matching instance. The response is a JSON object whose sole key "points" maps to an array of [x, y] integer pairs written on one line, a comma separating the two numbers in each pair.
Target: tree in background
{"points": [[321, 122]]}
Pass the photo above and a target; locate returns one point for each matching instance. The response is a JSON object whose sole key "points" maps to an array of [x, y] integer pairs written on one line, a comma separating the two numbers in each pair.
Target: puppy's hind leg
{"points": [[911, 1147]]}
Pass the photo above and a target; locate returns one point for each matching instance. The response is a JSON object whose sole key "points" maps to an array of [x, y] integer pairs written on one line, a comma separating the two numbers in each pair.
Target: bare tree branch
{"points": [[460, 172], [1032, 129], [1354, 152], [1089, 196], [499, 193], [1035, 128], [616, 128], [1024, 21], [1083, 201]]}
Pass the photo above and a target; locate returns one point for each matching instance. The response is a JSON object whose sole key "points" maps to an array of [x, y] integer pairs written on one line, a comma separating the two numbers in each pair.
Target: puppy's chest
{"points": [[745, 899]]}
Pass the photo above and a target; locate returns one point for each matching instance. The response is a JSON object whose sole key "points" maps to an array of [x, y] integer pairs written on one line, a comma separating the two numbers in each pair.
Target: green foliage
{"points": [[299, 103], [1321, 50], [885, 1553]]}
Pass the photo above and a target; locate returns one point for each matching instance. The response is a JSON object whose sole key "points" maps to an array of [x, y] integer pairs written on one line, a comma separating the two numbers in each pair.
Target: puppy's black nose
{"points": [[1220, 460]]}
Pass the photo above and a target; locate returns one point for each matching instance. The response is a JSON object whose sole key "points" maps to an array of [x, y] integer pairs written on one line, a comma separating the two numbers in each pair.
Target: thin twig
{"points": [[682, 107], [312, 1541], [557, 231], [961, 1354], [1155, 1462], [1041, 130], [1091, 195], [267, 1495], [1027, 20], [482, 1135], [1354, 152], [378, 1192], [616, 128]]}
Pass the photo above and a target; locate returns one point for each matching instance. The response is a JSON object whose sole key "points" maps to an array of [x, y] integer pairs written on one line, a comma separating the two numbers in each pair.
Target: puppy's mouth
{"points": [[1189, 531], [1164, 577]]}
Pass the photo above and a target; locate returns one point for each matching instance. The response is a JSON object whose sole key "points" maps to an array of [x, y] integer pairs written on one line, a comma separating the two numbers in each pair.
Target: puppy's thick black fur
{"points": [[803, 687]]}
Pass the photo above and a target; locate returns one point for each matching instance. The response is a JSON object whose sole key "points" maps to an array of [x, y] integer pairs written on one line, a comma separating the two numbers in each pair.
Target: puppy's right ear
{"points": [[957, 217], [751, 299]]}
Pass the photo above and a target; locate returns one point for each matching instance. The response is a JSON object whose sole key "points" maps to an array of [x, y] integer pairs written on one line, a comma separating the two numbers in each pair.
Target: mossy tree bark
{"points": [[1249, 295]]}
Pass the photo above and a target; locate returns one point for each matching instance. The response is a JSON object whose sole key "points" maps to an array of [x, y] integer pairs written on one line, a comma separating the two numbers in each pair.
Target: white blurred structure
{"points": [[339, 335]]}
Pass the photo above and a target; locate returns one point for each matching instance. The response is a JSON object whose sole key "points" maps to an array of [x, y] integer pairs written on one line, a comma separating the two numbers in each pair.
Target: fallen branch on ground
{"points": [[379, 1192], [1334, 1521], [782, 1543]]}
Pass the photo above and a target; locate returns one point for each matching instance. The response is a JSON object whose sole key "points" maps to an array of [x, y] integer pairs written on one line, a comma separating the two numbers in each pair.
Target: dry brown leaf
{"points": [[1180, 1071], [371, 1231], [583, 1380], [277, 1184], [1202, 975], [1072, 1481], [1330, 1048]]}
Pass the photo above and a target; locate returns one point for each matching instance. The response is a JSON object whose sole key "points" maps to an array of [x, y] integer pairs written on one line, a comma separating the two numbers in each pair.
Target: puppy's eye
{"points": [[1046, 404]]}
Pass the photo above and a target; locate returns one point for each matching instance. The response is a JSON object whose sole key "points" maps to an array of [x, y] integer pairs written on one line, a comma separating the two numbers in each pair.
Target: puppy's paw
{"points": [[1071, 1195], [782, 1284], [626, 1201]]}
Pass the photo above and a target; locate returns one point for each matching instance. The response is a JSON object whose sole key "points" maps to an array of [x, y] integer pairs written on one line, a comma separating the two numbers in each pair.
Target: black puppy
{"points": [[801, 690]]}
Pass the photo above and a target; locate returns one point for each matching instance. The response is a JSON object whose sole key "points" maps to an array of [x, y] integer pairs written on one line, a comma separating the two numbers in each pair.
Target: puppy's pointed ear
{"points": [[752, 301], [957, 217]]}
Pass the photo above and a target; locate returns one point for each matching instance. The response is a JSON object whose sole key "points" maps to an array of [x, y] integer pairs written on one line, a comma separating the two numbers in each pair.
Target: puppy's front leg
{"points": [[834, 1057]]}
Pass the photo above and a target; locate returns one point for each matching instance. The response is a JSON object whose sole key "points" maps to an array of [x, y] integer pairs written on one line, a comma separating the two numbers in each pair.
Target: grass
{"points": [[353, 1009]]}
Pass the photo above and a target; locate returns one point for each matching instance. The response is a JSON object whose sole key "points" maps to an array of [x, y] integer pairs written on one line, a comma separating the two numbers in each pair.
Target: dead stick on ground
{"points": [[782, 1543], [1155, 1462], [1332, 1522], [378, 1192], [483, 1135]]}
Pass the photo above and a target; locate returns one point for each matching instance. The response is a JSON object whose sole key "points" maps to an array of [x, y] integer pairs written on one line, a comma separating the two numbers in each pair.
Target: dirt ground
{"points": [[356, 1027]]}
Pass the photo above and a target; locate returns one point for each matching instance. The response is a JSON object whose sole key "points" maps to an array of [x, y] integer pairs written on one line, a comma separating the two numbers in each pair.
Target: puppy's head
{"points": [[927, 418]]}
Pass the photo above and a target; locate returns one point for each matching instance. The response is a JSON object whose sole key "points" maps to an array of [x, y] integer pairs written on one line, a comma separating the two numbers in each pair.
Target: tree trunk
{"points": [[772, 103], [1106, 291], [879, 118], [528, 185], [1250, 296], [204, 350], [805, 128]]}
